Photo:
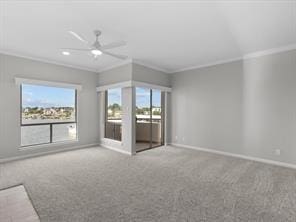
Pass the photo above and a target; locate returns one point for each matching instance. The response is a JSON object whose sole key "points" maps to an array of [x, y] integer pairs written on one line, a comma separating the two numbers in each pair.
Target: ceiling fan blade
{"points": [[75, 49], [113, 45], [79, 37], [115, 55]]}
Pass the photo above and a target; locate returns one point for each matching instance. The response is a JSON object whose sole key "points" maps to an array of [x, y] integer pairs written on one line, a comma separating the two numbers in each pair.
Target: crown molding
{"points": [[219, 62], [138, 62], [49, 61], [269, 51], [244, 57]]}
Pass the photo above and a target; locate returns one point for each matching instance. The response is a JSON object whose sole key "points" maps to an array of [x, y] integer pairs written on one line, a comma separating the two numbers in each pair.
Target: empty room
{"points": [[145, 111]]}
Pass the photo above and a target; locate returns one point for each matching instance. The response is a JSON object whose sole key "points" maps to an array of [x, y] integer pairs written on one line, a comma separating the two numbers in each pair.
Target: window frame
{"points": [[47, 124]]}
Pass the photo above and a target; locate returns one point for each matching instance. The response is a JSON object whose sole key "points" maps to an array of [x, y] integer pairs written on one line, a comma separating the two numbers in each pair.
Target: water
{"points": [[40, 134]]}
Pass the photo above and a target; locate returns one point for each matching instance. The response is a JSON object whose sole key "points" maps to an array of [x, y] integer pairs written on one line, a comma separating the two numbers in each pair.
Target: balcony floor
{"points": [[141, 146]]}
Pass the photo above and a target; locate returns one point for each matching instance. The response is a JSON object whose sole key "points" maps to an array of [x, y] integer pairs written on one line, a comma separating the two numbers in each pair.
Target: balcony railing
{"points": [[45, 133], [113, 130], [144, 132]]}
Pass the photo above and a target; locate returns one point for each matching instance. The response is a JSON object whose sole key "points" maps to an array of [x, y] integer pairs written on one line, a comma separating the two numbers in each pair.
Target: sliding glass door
{"points": [[149, 118]]}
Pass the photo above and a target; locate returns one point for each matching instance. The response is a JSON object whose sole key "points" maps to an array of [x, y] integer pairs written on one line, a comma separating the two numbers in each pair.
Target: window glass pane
{"points": [[43, 104], [63, 132], [113, 114], [143, 123], [33, 135], [114, 104], [113, 130], [143, 104]]}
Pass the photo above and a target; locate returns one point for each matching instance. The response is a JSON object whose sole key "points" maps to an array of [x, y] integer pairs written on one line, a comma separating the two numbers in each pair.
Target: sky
{"points": [[44, 96], [142, 97]]}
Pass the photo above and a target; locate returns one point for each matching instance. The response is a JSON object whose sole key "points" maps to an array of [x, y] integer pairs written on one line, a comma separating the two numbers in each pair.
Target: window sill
{"points": [[108, 141], [42, 146]]}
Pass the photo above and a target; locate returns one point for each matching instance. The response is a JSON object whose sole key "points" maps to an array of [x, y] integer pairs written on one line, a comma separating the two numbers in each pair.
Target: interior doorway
{"points": [[149, 118]]}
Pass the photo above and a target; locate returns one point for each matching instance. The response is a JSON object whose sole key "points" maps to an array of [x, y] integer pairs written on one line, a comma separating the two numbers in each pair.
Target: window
{"points": [[48, 114], [113, 114]]}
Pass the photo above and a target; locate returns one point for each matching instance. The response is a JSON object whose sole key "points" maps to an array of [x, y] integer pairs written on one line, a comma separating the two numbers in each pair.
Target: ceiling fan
{"points": [[96, 49]]}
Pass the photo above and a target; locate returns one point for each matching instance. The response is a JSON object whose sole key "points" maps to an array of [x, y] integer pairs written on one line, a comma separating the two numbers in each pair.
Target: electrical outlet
{"points": [[277, 152], [176, 138], [183, 139]]}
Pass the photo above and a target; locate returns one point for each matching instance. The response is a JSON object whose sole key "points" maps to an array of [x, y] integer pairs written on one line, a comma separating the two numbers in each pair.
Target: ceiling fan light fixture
{"points": [[96, 52], [95, 49], [66, 53]]}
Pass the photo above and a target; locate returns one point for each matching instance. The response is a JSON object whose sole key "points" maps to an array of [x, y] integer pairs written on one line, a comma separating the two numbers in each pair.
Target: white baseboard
{"points": [[273, 162], [116, 149], [4, 160]]}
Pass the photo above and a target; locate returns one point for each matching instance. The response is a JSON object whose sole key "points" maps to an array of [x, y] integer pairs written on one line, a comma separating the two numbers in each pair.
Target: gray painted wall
{"points": [[152, 76], [207, 107], [270, 106], [88, 106], [133, 72], [246, 107], [118, 74]]}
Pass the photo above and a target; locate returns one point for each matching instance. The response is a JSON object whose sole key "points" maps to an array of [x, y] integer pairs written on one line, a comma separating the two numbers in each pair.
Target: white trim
{"points": [[245, 56], [151, 86], [166, 118], [47, 145], [270, 51], [129, 61], [138, 62], [111, 141], [133, 84], [107, 68], [116, 149], [267, 161], [21, 157], [219, 62], [20, 81], [115, 85], [4, 52]]}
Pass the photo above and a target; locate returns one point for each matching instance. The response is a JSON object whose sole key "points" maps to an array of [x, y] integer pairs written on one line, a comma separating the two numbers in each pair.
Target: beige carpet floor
{"points": [[164, 184]]}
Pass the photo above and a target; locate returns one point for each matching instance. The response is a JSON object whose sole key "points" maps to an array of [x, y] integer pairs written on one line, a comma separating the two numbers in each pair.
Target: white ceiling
{"points": [[171, 35]]}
